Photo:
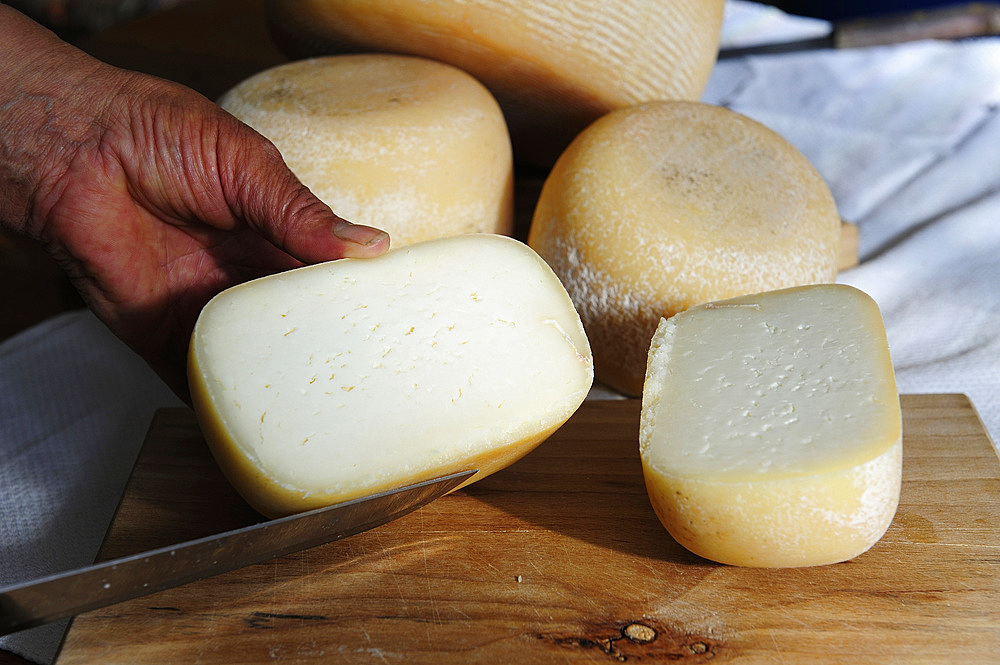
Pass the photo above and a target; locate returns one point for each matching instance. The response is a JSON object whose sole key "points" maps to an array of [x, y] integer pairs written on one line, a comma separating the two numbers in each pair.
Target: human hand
{"points": [[150, 197]]}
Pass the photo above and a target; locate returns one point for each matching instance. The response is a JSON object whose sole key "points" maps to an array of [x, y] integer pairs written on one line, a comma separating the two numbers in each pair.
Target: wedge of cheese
{"points": [[770, 432], [342, 379], [415, 147], [555, 66], [658, 207]]}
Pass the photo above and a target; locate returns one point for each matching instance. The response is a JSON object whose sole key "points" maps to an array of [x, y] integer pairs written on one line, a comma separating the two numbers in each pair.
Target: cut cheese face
{"points": [[770, 433], [663, 206], [414, 147], [338, 380], [554, 66]]}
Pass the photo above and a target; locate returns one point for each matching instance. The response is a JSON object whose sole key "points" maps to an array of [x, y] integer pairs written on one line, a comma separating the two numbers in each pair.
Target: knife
{"points": [[965, 21], [66, 594]]}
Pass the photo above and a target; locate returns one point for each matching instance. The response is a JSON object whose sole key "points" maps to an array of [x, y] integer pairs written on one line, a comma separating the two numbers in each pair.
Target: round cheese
{"points": [[666, 205], [414, 147], [554, 66], [770, 433], [342, 379]]}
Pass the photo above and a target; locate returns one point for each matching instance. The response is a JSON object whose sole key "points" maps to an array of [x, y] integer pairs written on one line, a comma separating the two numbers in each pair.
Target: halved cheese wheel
{"points": [[770, 433], [662, 206], [342, 379], [417, 148], [554, 66]]}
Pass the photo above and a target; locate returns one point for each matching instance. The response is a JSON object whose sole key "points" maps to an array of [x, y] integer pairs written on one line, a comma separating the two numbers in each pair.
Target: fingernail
{"points": [[358, 234]]}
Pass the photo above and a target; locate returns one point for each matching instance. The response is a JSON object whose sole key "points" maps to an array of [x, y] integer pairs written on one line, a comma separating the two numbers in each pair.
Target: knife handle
{"points": [[977, 19]]}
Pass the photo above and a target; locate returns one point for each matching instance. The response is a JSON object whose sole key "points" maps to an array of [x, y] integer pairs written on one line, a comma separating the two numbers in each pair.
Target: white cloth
{"points": [[905, 135], [75, 406]]}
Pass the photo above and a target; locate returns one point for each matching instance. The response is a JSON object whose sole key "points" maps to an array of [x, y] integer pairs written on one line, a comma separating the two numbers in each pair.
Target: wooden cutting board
{"points": [[560, 558]]}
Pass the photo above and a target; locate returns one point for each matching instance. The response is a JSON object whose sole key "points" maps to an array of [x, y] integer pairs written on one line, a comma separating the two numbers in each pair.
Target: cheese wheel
{"points": [[338, 380], [666, 205], [554, 66], [770, 433], [417, 148]]}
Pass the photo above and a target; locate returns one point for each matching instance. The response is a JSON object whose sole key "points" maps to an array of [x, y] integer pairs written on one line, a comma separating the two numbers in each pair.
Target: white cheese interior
{"points": [[338, 378], [776, 386]]}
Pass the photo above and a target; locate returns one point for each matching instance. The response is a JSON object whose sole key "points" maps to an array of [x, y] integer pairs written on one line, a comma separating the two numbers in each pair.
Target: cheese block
{"points": [[554, 66], [341, 379], [770, 433], [417, 148], [666, 205]]}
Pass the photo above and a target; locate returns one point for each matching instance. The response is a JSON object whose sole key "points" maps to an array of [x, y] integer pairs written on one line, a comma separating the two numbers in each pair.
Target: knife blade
{"points": [[35, 602]]}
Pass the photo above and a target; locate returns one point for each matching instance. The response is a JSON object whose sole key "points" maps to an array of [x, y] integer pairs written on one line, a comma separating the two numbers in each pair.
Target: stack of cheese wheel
{"points": [[417, 148], [666, 205], [555, 66]]}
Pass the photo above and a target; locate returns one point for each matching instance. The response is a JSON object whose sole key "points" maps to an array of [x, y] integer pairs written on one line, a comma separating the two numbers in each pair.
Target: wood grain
{"points": [[560, 558]]}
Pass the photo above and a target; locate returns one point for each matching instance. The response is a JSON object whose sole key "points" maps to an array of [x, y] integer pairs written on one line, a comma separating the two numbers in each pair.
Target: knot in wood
{"points": [[639, 633]]}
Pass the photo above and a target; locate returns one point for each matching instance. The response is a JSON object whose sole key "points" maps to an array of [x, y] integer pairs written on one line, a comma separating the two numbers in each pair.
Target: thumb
{"points": [[265, 193]]}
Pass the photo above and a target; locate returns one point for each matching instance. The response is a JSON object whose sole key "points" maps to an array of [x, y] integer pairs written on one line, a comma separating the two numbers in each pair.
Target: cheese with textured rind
{"points": [[417, 148], [554, 66], [334, 381], [666, 205], [770, 433]]}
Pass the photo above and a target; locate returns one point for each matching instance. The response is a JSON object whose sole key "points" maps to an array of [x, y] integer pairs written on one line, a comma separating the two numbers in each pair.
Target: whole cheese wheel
{"points": [[417, 148], [554, 66], [770, 432], [666, 205], [342, 379]]}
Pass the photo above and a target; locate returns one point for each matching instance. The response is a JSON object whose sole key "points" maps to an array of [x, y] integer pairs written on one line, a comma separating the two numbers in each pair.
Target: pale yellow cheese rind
{"points": [[662, 206], [770, 433], [415, 147], [554, 66], [792, 522], [342, 379]]}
